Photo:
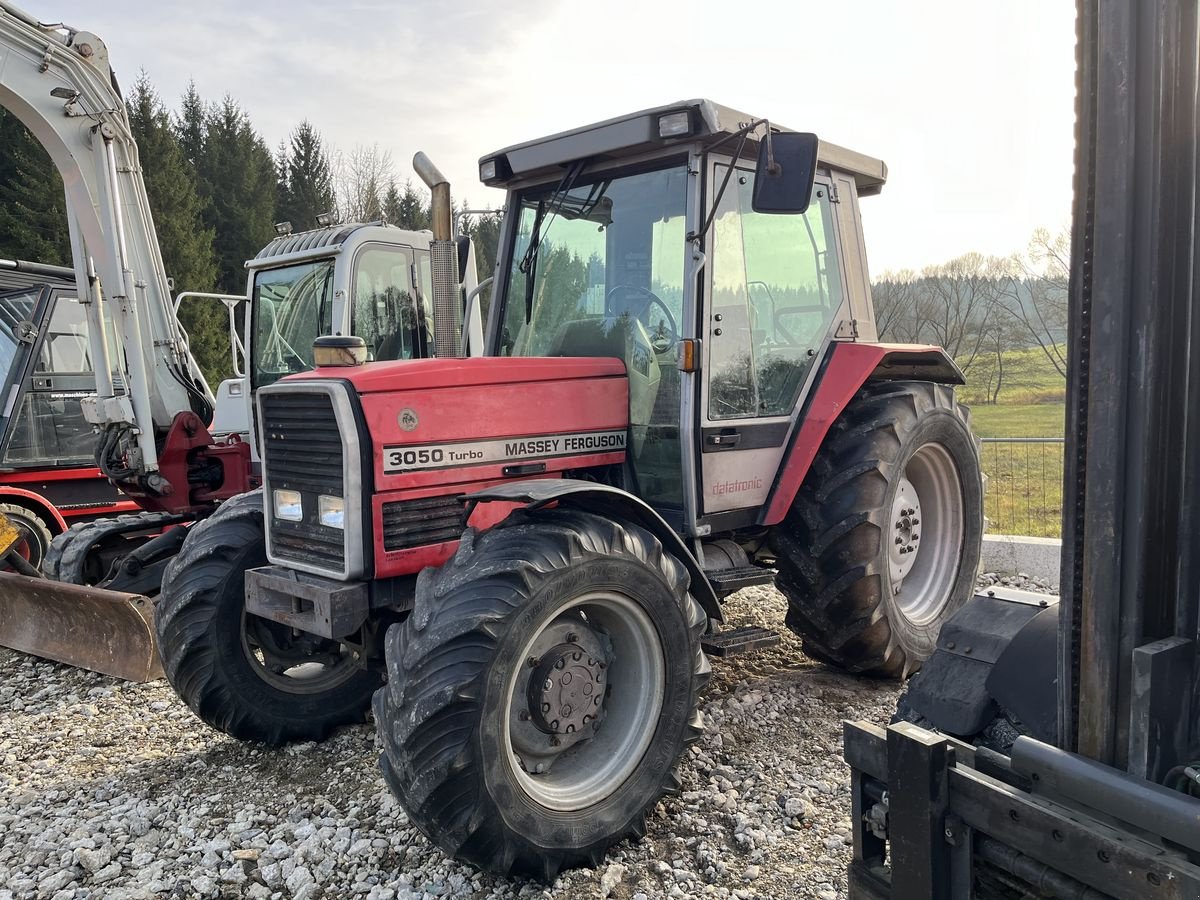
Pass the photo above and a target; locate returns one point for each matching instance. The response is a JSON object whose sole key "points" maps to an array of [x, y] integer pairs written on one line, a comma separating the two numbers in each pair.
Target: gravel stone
{"points": [[116, 790]]}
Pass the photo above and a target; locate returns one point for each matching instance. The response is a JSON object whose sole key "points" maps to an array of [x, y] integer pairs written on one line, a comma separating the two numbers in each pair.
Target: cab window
{"points": [[775, 292]]}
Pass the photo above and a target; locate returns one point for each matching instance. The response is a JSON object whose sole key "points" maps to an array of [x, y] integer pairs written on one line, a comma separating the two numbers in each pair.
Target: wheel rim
{"points": [[562, 757], [925, 543], [294, 662]]}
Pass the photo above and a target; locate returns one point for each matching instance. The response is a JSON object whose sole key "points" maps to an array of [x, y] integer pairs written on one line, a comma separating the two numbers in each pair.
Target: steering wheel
{"points": [[662, 339]]}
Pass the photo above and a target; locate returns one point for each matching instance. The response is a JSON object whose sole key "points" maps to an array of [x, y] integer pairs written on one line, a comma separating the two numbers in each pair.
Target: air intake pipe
{"points": [[447, 306]]}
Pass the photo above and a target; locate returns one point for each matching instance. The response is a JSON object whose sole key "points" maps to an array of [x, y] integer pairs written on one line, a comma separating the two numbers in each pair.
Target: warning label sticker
{"points": [[397, 460]]}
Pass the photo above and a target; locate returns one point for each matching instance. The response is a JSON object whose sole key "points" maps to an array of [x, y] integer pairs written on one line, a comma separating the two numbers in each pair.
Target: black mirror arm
{"points": [[743, 133]]}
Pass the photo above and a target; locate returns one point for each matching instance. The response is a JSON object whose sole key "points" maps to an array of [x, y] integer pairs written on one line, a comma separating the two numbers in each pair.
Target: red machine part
{"points": [[448, 406], [850, 366], [189, 448]]}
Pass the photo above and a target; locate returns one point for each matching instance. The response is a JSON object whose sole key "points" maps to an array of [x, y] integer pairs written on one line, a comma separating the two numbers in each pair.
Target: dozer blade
{"points": [[104, 631]]}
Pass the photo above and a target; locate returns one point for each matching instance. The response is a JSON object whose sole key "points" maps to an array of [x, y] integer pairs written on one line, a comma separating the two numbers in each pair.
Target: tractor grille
{"points": [[302, 451], [415, 523]]}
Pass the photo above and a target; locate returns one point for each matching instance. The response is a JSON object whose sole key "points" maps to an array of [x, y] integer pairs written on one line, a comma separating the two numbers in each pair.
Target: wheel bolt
{"points": [[576, 656], [572, 637], [899, 524], [545, 707], [560, 664], [554, 724], [915, 536], [523, 715], [554, 742], [533, 661], [916, 521], [899, 540]]}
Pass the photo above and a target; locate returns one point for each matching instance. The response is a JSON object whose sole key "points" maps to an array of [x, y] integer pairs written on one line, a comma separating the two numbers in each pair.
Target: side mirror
{"points": [[786, 186]]}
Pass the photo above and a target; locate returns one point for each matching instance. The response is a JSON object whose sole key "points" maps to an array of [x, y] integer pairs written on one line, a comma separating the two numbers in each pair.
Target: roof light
{"points": [[282, 228], [326, 219], [494, 170], [677, 124]]}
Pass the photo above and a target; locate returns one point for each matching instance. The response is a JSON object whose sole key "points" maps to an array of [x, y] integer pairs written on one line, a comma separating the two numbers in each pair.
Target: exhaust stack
{"points": [[447, 306]]}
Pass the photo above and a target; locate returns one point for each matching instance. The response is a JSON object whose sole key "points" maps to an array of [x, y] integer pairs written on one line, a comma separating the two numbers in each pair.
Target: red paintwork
{"points": [[58, 520], [43, 506], [479, 400], [414, 559], [423, 374], [850, 365], [187, 445]]}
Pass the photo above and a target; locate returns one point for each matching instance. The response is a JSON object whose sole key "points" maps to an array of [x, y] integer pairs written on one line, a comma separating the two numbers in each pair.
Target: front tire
{"points": [[883, 540], [252, 679], [542, 691]]}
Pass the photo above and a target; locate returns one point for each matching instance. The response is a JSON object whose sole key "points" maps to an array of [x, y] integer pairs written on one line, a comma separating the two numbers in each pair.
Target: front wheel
{"points": [[882, 542], [542, 691], [33, 535], [248, 677]]}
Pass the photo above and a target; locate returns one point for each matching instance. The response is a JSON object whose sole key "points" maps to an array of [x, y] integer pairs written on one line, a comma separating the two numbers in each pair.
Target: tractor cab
{"points": [[647, 238]]}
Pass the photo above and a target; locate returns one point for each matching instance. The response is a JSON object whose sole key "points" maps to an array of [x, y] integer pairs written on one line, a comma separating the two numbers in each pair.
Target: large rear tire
{"points": [[542, 691], [35, 538], [250, 678], [882, 542]]}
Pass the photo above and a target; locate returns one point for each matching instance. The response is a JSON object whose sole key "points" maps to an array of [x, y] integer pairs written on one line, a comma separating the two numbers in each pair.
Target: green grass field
{"points": [[1024, 491]]}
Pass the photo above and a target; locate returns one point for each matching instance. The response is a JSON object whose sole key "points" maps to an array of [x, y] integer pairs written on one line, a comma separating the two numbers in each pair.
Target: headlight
{"points": [[288, 506], [331, 511]]}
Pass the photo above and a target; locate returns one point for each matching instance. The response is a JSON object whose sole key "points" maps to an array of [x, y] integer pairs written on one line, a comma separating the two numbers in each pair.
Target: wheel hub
{"points": [[566, 690], [563, 701], [905, 532]]}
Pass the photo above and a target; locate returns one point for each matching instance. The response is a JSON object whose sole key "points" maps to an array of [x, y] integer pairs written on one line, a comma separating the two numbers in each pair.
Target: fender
{"points": [[35, 503], [999, 651], [847, 367], [612, 503]]}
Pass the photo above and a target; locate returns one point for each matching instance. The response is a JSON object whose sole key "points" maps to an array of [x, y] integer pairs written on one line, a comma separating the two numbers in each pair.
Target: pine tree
{"points": [[308, 180], [237, 171], [190, 126], [33, 207], [391, 204], [412, 210], [186, 245]]}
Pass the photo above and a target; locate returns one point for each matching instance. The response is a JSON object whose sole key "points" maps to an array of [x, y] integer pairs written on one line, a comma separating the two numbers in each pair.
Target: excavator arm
{"points": [[57, 81]]}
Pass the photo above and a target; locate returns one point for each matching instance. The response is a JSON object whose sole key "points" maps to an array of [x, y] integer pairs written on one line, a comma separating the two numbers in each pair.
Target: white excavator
{"points": [[160, 435]]}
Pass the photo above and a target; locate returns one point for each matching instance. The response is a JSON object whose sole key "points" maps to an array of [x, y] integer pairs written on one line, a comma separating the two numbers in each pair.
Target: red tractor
{"points": [[522, 556]]}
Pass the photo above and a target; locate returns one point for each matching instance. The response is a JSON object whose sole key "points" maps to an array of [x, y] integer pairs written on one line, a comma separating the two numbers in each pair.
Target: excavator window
{"points": [[292, 306], [391, 311], [47, 424]]}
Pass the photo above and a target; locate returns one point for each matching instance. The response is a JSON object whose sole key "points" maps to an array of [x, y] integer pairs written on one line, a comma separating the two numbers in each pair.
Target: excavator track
{"points": [[91, 553]]}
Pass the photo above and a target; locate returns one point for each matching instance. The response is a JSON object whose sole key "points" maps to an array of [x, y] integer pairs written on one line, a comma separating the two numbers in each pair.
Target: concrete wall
{"points": [[1010, 554]]}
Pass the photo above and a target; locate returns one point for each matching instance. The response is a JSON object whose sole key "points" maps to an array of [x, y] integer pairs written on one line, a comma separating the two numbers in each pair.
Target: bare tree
{"points": [[894, 296], [1036, 296], [956, 304], [362, 178]]}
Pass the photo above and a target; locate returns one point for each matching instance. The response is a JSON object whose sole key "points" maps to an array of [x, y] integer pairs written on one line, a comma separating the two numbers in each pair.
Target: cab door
{"points": [[773, 294], [45, 421]]}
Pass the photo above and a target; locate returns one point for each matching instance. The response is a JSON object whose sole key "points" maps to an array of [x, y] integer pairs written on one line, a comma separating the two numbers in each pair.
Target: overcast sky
{"points": [[969, 103]]}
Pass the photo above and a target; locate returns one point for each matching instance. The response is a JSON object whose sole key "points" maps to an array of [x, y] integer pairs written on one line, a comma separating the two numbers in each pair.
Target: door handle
{"points": [[727, 438]]}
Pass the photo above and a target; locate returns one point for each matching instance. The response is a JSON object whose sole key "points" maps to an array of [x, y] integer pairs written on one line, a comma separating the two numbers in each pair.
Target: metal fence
{"points": [[1024, 485]]}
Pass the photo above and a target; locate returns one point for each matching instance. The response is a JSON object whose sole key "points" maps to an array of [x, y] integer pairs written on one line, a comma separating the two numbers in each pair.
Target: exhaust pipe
{"points": [[447, 306]]}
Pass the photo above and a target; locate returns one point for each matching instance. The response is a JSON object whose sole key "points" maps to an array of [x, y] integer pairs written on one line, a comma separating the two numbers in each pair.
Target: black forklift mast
{"points": [[1088, 816], [1131, 523]]}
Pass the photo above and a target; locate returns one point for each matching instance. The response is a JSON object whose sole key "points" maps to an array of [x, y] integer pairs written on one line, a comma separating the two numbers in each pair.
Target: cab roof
{"points": [[637, 132]]}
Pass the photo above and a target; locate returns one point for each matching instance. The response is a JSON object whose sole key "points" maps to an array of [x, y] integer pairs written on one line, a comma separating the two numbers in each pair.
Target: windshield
{"points": [[607, 249], [291, 307], [14, 309]]}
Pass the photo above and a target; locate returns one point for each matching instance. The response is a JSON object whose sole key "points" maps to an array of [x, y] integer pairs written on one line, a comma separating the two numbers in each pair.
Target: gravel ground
{"points": [[114, 790]]}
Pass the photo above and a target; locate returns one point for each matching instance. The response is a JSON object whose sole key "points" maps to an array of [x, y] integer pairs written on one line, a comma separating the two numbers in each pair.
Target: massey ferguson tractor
{"points": [[518, 560]]}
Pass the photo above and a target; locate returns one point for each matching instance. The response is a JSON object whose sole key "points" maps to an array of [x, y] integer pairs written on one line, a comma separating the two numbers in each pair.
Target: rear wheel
{"points": [[35, 537], [882, 542], [541, 692], [248, 677]]}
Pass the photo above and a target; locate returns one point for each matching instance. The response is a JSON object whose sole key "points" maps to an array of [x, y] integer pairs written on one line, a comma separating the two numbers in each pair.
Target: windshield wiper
{"points": [[528, 265]]}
